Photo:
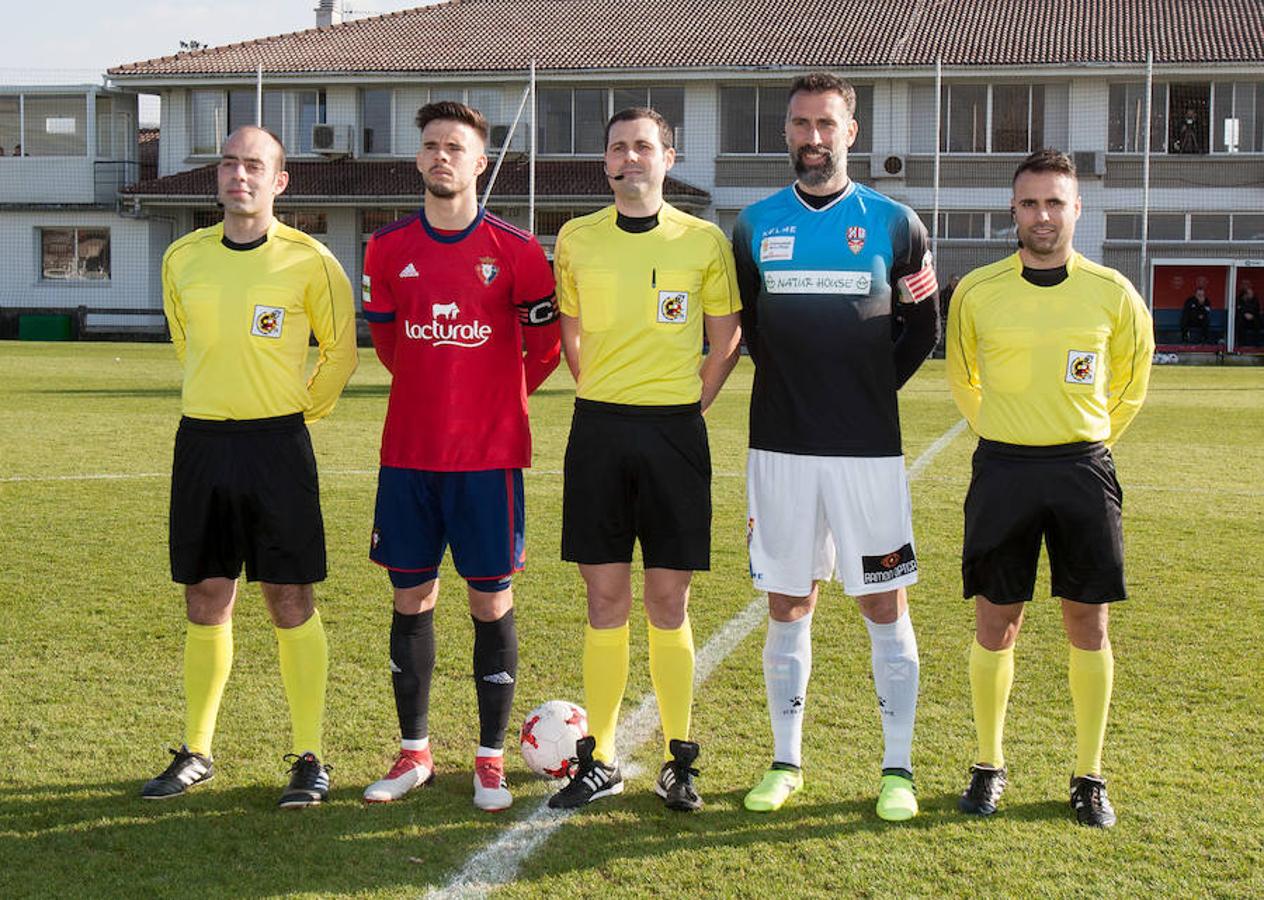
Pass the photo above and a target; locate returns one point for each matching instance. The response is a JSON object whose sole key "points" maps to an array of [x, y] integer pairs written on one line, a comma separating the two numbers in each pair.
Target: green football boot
{"points": [[897, 799], [774, 789]]}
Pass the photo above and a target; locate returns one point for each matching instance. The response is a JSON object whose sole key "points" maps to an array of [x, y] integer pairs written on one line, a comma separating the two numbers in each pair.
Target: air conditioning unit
{"points": [[891, 167], [331, 140], [1089, 162]]}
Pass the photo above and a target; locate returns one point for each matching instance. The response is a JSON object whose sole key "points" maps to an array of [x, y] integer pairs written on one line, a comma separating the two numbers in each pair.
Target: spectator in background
{"points": [[1189, 134], [1196, 318], [1248, 315]]}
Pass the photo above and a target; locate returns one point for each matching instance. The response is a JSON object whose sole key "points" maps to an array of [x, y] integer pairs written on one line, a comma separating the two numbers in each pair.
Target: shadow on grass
{"points": [[173, 391], [227, 840]]}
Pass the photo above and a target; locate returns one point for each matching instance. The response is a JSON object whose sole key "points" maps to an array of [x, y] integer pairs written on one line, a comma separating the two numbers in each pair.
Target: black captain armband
{"points": [[538, 312]]}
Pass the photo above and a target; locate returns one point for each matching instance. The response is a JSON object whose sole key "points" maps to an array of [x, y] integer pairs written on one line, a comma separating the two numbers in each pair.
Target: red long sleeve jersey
{"points": [[467, 324]]}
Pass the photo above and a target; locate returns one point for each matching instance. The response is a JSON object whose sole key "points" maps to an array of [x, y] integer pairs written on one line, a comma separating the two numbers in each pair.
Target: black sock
{"points": [[412, 664], [495, 671]]}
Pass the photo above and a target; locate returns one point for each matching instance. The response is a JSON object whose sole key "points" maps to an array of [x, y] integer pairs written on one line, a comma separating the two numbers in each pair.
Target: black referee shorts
{"points": [[1069, 496], [246, 492], [637, 472]]}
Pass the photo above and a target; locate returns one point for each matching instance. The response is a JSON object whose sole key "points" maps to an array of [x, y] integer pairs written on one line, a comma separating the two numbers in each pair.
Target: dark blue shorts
{"points": [[419, 513]]}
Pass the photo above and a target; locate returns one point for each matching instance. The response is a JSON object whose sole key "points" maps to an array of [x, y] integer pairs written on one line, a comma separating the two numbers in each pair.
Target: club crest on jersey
{"points": [[487, 270], [267, 321], [673, 307], [1081, 367], [856, 238]]}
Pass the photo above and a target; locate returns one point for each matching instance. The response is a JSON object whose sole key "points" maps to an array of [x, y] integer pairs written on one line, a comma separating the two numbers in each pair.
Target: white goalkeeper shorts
{"points": [[812, 517]]}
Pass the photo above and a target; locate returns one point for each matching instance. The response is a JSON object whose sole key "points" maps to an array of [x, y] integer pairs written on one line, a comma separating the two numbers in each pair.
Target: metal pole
{"points": [[1145, 184], [531, 167], [939, 99], [513, 129], [259, 96]]}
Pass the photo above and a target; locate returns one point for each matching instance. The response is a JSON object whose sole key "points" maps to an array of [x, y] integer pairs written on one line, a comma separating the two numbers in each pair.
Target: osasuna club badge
{"points": [[267, 321], [856, 238], [673, 307], [487, 270], [1081, 367]]}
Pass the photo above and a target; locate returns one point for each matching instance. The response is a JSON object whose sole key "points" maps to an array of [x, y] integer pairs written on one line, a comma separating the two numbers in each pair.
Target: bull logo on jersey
{"points": [[673, 307], [1081, 367], [443, 329], [487, 270], [856, 238], [267, 321]]}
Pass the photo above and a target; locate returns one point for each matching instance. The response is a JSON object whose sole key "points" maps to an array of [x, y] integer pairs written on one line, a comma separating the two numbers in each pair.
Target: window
{"points": [[972, 225], [289, 115], [205, 218], [727, 220], [116, 136], [1167, 227], [1127, 118], [1173, 226], [10, 125], [75, 254], [572, 120], [1123, 227], [999, 118], [753, 119], [210, 117], [1209, 228], [1237, 108], [1248, 227], [669, 102], [304, 220], [55, 125], [377, 107]]}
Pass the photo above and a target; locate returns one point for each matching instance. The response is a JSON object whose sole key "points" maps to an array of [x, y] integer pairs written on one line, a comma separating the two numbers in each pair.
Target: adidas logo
{"points": [[409, 271], [499, 678]]}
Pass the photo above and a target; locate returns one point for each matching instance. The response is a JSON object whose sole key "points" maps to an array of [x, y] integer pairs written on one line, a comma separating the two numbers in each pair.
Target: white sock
{"points": [[895, 675], [416, 746], [493, 752], [787, 667]]}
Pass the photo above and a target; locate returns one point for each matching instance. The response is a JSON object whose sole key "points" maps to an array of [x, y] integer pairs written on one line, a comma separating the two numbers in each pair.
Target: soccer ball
{"points": [[548, 737]]}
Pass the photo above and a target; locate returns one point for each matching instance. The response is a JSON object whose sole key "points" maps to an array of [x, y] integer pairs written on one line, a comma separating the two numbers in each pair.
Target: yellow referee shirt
{"points": [[640, 299], [240, 321], [1048, 365]]}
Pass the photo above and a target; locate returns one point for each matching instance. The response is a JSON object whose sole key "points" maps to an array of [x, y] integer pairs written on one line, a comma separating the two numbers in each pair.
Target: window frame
{"points": [[989, 121], [863, 115], [608, 93], [79, 279], [290, 132]]}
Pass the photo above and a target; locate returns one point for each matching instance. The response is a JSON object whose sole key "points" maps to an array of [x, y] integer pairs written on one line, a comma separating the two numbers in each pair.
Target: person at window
{"points": [[1189, 134], [1248, 315], [1196, 318]]}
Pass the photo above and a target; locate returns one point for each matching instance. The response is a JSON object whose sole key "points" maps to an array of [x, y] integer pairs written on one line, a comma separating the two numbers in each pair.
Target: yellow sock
{"points": [[1092, 676], [208, 658], [991, 677], [605, 679], [671, 670], [304, 669]]}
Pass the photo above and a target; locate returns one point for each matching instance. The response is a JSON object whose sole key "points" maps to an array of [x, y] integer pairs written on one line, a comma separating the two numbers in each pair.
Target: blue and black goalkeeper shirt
{"points": [[830, 346]]}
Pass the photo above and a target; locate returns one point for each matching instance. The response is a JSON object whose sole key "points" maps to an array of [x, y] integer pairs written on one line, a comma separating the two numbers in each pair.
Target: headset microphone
{"points": [[609, 175]]}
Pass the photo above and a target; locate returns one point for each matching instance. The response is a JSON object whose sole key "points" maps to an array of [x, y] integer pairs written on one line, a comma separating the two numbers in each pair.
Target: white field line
{"points": [[498, 863]]}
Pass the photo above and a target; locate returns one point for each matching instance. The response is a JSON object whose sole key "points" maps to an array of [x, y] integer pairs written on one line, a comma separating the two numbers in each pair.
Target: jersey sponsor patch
{"points": [[444, 329], [775, 248], [823, 282], [1081, 367], [855, 238], [673, 307], [889, 566], [267, 321]]}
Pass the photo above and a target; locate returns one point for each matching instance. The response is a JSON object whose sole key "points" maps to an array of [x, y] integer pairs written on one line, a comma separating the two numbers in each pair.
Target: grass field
{"points": [[90, 678]]}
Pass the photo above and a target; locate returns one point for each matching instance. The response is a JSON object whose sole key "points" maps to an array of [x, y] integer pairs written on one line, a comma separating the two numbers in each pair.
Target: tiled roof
{"points": [[499, 35], [395, 179]]}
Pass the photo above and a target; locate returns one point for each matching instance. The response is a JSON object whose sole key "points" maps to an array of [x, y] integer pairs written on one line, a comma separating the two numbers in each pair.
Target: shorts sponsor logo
{"points": [[673, 307], [443, 330], [1081, 367], [774, 248], [487, 270], [855, 238], [366, 288], [889, 566], [824, 282], [267, 321]]}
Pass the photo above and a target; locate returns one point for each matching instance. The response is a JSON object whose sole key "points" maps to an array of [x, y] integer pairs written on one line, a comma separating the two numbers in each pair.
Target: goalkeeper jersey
{"points": [[240, 321], [817, 315], [1040, 366]]}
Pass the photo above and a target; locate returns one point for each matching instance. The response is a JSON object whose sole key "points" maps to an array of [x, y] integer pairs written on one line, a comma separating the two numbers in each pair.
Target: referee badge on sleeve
{"points": [[267, 321], [673, 307], [1081, 367]]}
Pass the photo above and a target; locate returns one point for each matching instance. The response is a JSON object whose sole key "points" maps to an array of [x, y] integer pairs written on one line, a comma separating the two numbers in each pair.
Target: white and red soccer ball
{"points": [[548, 737]]}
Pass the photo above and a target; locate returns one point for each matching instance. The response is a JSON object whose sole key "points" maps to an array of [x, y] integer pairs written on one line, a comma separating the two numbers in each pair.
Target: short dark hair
{"points": [[666, 133], [825, 83], [451, 111], [1047, 160], [270, 133]]}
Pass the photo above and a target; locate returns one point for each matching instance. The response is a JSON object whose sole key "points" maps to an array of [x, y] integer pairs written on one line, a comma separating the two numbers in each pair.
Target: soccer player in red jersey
{"points": [[460, 305]]}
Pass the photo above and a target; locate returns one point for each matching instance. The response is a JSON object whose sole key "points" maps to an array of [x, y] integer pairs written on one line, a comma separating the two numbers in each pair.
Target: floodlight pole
{"points": [[939, 99], [259, 96], [531, 166], [513, 129], [1145, 183]]}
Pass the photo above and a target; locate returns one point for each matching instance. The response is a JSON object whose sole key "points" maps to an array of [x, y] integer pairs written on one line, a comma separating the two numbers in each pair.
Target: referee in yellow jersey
{"points": [[1048, 359], [638, 284], [241, 300]]}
